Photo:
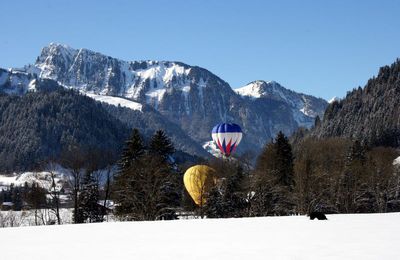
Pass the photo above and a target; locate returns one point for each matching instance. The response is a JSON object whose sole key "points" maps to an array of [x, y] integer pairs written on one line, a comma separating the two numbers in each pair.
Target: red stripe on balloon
{"points": [[220, 146], [228, 148]]}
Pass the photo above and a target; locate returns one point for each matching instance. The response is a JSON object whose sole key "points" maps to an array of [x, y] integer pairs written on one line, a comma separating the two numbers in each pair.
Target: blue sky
{"points": [[324, 48]]}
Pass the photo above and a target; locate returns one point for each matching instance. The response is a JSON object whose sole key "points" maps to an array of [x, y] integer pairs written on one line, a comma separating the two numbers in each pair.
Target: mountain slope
{"points": [[40, 125], [304, 107], [190, 97], [371, 114]]}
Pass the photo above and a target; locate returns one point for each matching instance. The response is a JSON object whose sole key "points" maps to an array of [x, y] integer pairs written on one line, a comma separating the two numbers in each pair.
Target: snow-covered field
{"points": [[369, 236]]}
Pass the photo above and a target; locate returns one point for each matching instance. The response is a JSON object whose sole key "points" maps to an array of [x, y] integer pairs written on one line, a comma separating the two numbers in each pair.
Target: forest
{"points": [[332, 175]]}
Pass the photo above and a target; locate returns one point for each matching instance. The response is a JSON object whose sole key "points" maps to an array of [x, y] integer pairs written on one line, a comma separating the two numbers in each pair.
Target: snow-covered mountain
{"points": [[13, 81], [92, 72], [189, 96], [305, 107]]}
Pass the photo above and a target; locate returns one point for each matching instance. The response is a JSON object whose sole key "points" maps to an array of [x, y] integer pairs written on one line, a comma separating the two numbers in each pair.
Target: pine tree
{"points": [[161, 145], [134, 148], [89, 210], [235, 194], [147, 188], [284, 161], [17, 198], [215, 207], [36, 199], [229, 198], [126, 179], [274, 181]]}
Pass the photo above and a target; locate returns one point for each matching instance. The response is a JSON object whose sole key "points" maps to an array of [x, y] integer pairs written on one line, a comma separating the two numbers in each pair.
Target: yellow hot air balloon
{"points": [[198, 181]]}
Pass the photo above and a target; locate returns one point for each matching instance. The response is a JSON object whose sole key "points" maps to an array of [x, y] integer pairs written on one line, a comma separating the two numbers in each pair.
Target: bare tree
{"points": [[54, 193], [74, 160]]}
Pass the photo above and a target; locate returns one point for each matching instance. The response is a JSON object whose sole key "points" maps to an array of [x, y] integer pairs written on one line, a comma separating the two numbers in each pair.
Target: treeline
{"points": [[330, 175]]}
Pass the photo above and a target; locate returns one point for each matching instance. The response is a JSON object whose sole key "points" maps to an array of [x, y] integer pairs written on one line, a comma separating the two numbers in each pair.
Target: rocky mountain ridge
{"points": [[189, 96]]}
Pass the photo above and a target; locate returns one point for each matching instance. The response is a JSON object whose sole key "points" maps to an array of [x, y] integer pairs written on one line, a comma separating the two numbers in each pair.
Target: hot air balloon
{"points": [[199, 180], [227, 137]]}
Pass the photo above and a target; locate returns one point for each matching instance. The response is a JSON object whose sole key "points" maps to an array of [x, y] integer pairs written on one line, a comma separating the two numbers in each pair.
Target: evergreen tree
{"points": [[134, 148], [89, 210], [147, 187], [162, 148], [36, 199], [161, 145], [274, 180], [215, 207], [284, 161], [228, 198], [126, 180], [17, 198]]}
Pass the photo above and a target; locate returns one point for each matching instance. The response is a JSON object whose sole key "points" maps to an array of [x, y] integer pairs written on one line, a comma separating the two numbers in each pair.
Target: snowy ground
{"points": [[372, 236], [29, 218]]}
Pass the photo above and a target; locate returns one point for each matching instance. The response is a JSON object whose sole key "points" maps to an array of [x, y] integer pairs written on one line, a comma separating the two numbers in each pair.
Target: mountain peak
{"points": [[257, 88], [335, 98], [303, 106], [56, 48]]}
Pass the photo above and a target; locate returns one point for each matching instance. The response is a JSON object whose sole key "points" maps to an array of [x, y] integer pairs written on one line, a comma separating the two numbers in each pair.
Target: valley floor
{"points": [[358, 236]]}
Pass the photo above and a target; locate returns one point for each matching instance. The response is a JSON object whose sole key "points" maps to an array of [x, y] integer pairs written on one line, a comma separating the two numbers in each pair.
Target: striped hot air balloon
{"points": [[227, 137]]}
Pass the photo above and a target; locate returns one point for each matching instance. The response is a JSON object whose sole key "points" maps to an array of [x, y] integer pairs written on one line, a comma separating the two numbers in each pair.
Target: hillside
{"points": [[190, 97], [365, 236], [371, 114], [40, 125]]}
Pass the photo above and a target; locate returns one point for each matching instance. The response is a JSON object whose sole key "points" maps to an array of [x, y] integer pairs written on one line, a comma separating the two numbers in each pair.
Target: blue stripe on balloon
{"points": [[226, 128]]}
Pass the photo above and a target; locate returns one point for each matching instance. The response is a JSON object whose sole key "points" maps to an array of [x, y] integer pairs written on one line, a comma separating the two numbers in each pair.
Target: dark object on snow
{"points": [[317, 215]]}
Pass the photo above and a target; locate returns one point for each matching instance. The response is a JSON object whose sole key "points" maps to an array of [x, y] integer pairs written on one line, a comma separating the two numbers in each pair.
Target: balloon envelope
{"points": [[227, 137], [198, 181]]}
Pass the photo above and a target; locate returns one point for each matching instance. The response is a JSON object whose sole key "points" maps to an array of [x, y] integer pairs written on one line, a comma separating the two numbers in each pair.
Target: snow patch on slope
{"points": [[160, 78], [250, 90], [116, 101], [333, 99]]}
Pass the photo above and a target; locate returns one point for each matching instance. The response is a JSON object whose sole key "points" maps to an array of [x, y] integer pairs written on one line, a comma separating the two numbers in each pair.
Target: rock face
{"points": [[304, 107], [16, 82], [189, 96]]}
